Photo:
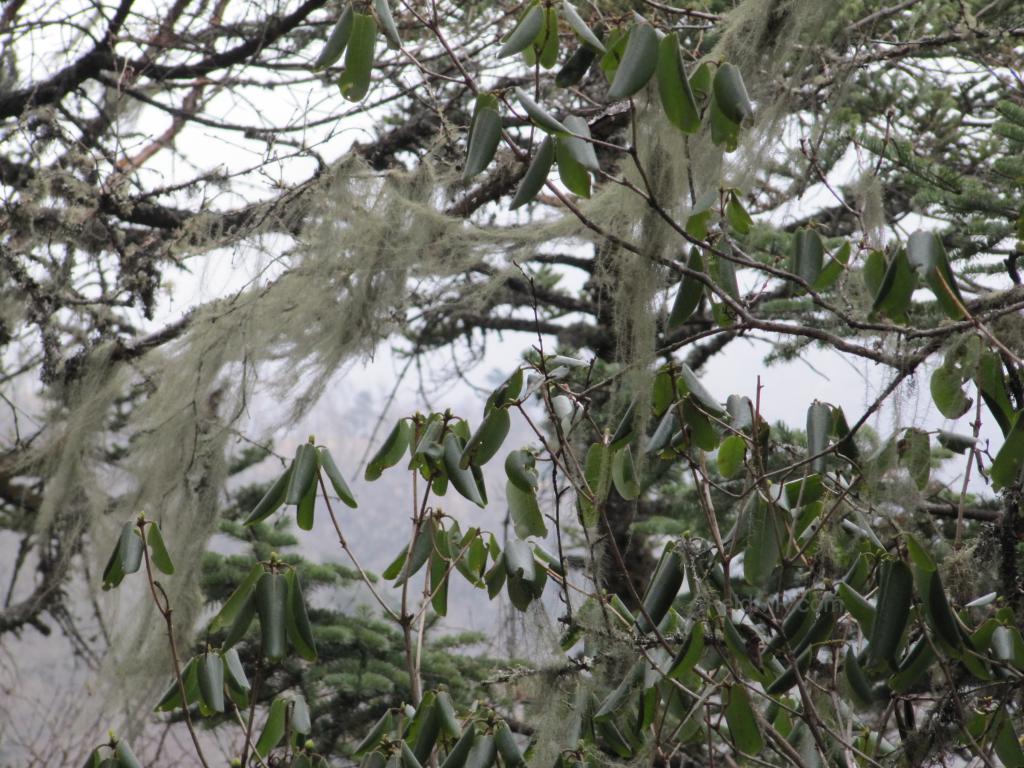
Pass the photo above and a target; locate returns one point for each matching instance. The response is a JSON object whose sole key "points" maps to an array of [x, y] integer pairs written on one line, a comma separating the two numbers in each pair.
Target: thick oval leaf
{"points": [[519, 467], [272, 607], [538, 115], [337, 40], [272, 499], [274, 728], [547, 41], [487, 439], [891, 612], [390, 453], [300, 631], [624, 474], [898, 284], [158, 550], [766, 535], [536, 175], [211, 681], [581, 149], [573, 175], [731, 454], [677, 98], [743, 727], [337, 480], [579, 26], [234, 671], [926, 253], [731, 94], [242, 621], [691, 289], [124, 756], [483, 752], [233, 605], [639, 61], [380, 729], [624, 431], [575, 67], [835, 267], [819, 427], [808, 255], [689, 383], [421, 549], [299, 718], [303, 473], [461, 478], [940, 616], [858, 606], [507, 748], [661, 592], [355, 80], [483, 142], [1006, 467], [739, 220], [387, 23], [130, 548], [946, 386], [524, 511], [460, 752], [524, 33]]}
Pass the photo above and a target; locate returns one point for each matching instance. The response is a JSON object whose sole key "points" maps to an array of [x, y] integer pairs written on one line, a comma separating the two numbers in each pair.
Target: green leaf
{"points": [[926, 253], [506, 744], [524, 33], [731, 94], [171, 699], [158, 550], [737, 216], [421, 549], [211, 681], [691, 289], [337, 481], [234, 671], [742, 725], [273, 730], [891, 612], [624, 474], [689, 652], [305, 509], [233, 605], [573, 175], [300, 631], [858, 606], [519, 560], [460, 752], [835, 267], [674, 89], [1006, 467], [355, 80], [808, 255], [483, 752], [424, 728], [898, 284], [538, 115], [536, 174], [242, 621], [619, 695], [1006, 743], [940, 616], [993, 390], [487, 439], [461, 478], [519, 468], [624, 432], [947, 392], [124, 755], [819, 427], [387, 24], [524, 511], [579, 26], [390, 453], [272, 499], [662, 590], [639, 61], [598, 471], [299, 719], [731, 453], [272, 606], [381, 728], [303, 473], [547, 41], [766, 535], [446, 715], [575, 67], [581, 149], [337, 40], [689, 383], [485, 134], [874, 272], [916, 455], [495, 577], [700, 81], [956, 442]]}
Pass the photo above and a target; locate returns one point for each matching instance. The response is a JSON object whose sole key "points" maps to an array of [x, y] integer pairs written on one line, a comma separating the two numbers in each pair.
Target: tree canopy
{"points": [[634, 186]]}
